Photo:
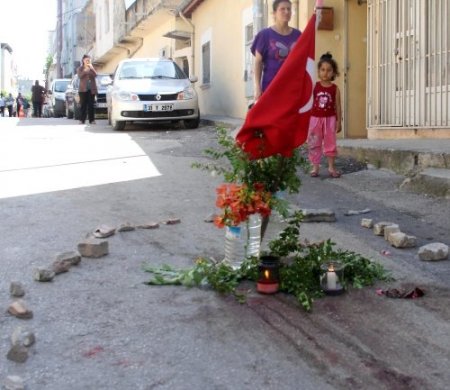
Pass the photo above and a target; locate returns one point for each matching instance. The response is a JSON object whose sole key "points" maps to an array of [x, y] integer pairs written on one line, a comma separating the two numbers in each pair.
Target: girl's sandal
{"points": [[334, 174], [314, 174]]}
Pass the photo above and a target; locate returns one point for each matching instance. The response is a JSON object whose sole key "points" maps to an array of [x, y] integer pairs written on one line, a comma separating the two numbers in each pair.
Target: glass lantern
{"points": [[269, 276], [332, 277]]}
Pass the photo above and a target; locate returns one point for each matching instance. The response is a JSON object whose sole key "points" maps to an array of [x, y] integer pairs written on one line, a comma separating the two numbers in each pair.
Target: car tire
{"points": [[76, 112], [192, 123], [118, 125]]}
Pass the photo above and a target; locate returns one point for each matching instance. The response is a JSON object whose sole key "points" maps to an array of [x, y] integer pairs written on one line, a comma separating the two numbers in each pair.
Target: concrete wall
{"points": [[223, 27]]}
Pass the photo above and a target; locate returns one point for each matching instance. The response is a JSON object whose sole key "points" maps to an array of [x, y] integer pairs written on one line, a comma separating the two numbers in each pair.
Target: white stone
{"points": [[378, 228], [394, 228], [433, 252], [402, 240], [367, 223]]}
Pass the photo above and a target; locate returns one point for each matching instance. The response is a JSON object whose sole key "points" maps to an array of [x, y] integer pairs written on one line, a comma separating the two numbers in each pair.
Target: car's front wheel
{"points": [[192, 123], [69, 114], [76, 112], [117, 125]]}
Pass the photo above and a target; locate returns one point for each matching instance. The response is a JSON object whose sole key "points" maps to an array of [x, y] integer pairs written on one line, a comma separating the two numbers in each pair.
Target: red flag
{"points": [[278, 122]]}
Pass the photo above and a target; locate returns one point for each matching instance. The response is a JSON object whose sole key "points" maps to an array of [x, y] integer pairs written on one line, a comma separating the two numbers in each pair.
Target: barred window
{"points": [[206, 63]]}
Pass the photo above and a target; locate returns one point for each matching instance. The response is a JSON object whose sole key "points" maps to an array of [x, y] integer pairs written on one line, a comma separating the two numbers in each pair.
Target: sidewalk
{"points": [[425, 162]]}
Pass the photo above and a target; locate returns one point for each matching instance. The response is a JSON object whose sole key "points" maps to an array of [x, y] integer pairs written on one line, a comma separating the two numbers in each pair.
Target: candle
{"points": [[268, 281], [331, 278]]}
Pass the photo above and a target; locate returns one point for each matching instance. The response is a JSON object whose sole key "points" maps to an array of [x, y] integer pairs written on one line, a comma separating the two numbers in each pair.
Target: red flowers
{"points": [[238, 201]]}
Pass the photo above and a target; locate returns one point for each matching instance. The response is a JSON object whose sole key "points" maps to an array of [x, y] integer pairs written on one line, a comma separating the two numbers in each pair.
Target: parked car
{"points": [[57, 100], [151, 90], [73, 100]]}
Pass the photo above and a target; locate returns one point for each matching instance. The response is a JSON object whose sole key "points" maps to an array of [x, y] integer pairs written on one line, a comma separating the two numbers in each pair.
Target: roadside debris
{"points": [[416, 292]]}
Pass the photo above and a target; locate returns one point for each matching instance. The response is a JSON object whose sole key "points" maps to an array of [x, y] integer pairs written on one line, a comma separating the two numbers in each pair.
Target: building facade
{"points": [[393, 54], [7, 69]]}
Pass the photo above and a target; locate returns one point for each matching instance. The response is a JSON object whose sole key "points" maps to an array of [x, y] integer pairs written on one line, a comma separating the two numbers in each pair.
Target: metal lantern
{"points": [[332, 277], [269, 276]]}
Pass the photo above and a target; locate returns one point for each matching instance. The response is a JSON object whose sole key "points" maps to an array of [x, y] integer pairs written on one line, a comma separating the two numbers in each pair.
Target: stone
{"points": [[43, 275], [149, 225], [13, 382], [172, 221], [73, 257], [433, 252], [16, 289], [104, 231], [402, 240], [318, 215], [126, 227], [357, 212], [19, 309], [23, 336], [367, 223], [394, 228], [378, 228], [18, 354], [61, 266], [92, 247]]}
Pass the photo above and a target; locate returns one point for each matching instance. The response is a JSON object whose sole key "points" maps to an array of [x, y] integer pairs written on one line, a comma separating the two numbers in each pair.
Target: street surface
{"points": [[99, 327]]}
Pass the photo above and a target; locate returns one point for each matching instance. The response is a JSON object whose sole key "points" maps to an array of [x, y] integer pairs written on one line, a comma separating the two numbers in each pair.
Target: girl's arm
{"points": [[338, 111]]}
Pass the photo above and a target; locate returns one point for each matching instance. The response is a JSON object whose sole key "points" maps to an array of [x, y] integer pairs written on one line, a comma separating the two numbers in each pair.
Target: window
{"points": [[206, 63]]}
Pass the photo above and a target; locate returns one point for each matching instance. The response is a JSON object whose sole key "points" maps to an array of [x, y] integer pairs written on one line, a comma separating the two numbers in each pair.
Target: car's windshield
{"points": [[61, 86], [151, 70]]}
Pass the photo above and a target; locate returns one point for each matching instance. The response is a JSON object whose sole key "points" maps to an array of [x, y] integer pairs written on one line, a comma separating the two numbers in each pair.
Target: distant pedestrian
{"points": [[87, 89], [19, 104], [2, 105], [37, 97], [325, 119], [9, 103]]}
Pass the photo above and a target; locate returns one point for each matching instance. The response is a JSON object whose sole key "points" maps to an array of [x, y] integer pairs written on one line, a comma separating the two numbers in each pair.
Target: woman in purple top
{"points": [[272, 45]]}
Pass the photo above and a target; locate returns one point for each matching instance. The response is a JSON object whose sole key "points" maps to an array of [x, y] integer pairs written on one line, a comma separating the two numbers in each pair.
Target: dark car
{"points": [[73, 99]]}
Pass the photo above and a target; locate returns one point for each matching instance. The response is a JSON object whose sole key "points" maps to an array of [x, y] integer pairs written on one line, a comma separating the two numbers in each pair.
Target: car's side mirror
{"points": [[193, 79], [107, 80]]}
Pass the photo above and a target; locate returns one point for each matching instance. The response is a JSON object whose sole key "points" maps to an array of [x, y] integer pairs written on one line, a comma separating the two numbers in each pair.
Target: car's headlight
{"points": [[125, 95], [188, 93]]}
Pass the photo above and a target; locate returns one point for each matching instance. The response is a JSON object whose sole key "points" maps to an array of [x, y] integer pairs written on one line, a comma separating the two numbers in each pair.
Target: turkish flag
{"points": [[278, 122]]}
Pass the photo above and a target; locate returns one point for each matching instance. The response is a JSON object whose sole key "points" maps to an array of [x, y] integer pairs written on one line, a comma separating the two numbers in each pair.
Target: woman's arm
{"points": [[258, 68]]}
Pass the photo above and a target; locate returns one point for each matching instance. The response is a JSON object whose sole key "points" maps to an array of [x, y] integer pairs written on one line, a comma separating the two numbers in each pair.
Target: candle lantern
{"points": [[332, 277], [269, 277]]}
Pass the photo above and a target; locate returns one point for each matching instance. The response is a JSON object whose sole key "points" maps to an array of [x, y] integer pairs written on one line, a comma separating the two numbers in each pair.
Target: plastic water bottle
{"points": [[254, 235], [242, 241]]}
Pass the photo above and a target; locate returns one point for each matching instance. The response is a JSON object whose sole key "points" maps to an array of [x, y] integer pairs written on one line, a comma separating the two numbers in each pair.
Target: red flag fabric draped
{"points": [[278, 122]]}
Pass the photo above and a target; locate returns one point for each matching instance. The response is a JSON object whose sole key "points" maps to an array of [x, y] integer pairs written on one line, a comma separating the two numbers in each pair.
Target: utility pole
{"points": [[59, 39]]}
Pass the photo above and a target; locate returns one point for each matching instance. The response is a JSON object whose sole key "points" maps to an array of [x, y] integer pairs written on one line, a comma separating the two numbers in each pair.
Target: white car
{"points": [[57, 97], [151, 90]]}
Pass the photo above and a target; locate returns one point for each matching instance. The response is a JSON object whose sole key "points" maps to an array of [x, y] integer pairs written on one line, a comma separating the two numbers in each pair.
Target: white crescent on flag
{"points": [[311, 70]]}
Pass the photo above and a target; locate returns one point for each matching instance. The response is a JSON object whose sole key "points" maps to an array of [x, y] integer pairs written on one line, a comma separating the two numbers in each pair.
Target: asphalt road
{"points": [[99, 327]]}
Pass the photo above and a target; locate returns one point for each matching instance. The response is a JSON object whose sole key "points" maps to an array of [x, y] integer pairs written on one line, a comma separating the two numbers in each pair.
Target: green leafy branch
{"points": [[277, 173], [300, 268]]}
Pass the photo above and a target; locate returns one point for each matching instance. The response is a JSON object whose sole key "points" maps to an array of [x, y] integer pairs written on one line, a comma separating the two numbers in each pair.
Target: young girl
{"points": [[325, 117]]}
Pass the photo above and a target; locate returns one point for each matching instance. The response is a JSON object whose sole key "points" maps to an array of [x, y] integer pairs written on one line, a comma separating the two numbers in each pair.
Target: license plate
{"points": [[101, 105], [158, 107]]}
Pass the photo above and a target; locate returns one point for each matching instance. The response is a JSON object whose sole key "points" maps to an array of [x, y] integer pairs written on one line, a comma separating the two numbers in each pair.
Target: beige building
{"points": [[393, 54]]}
